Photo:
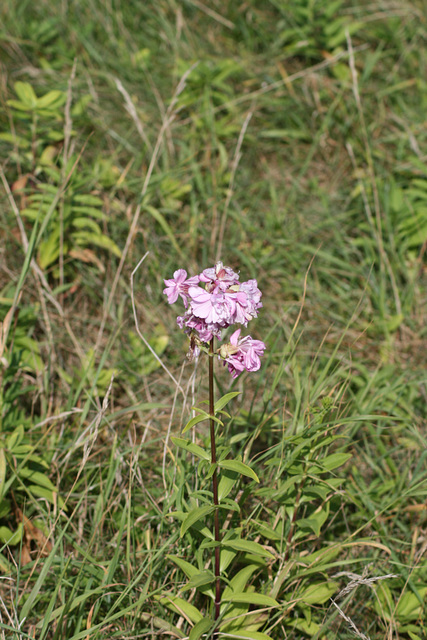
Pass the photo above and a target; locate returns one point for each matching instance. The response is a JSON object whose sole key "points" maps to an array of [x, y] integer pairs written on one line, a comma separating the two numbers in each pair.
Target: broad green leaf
{"points": [[26, 94], [226, 558], [178, 605], [239, 581], [185, 566], [249, 597], [191, 447], [318, 593], [305, 626], [219, 404], [16, 140], [47, 494], [15, 438], [249, 547], [87, 223], [196, 514], [410, 605], [240, 467], [203, 416], [315, 521], [9, 537], [20, 106], [89, 199], [334, 460], [37, 477], [51, 100], [103, 241], [226, 483], [191, 423], [230, 504], [268, 532], [49, 251], [200, 628], [200, 579]]}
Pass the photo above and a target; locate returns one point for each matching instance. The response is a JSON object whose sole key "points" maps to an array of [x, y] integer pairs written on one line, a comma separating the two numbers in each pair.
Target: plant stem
{"points": [[214, 483]]}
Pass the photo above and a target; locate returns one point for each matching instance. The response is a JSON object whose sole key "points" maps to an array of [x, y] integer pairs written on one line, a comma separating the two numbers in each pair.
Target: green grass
{"points": [[286, 139]]}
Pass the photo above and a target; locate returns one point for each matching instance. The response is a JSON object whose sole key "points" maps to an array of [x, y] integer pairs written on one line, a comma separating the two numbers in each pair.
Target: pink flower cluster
{"points": [[221, 303]]}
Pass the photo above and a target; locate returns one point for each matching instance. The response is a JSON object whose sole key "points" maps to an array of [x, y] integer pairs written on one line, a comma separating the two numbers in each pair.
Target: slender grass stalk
{"points": [[214, 483]]}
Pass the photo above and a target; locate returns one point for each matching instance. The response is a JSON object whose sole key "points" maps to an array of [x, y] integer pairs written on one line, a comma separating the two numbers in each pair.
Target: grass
{"points": [[289, 142]]}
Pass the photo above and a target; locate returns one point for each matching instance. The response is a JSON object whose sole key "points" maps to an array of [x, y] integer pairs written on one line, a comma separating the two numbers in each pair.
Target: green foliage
{"points": [[24, 461]]}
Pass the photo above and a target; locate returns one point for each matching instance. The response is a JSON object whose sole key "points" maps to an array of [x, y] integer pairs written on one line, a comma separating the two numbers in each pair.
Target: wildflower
{"points": [[215, 307], [219, 277], [242, 354], [222, 302], [178, 285]]}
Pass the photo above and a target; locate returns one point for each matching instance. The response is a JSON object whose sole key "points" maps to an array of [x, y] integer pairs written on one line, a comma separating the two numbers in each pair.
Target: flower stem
{"points": [[214, 483]]}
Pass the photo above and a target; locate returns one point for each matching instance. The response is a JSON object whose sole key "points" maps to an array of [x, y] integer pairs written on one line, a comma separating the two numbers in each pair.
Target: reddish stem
{"points": [[214, 484]]}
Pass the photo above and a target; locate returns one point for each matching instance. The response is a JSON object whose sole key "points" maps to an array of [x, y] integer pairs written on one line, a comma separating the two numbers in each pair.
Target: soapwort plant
{"points": [[213, 301]]}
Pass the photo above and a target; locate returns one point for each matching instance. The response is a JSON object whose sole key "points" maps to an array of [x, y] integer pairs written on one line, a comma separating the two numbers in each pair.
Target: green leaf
{"points": [[303, 625], [86, 223], [249, 547], [9, 537], [180, 606], [185, 566], [240, 467], [200, 579], [318, 593], [239, 581], [410, 604], [203, 416], [191, 447], [226, 483], [249, 597], [53, 100], [334, 460], [26, 94], [49, 251], [37, 477], [219, 404], [89, 199], [230, 504], [315, 521], [196, 514], [48, 495], [200, 628], [102, 241], [16, 140]]}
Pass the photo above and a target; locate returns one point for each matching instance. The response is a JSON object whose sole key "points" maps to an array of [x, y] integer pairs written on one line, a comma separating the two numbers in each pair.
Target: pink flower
{"points": [[219, 277], [222, 302], [216, 307], [242, 353], [205, 332], [178, 285], [247, 302]]}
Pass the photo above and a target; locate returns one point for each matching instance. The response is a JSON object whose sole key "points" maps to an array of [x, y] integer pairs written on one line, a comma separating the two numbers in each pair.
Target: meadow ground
{"points": [[289, 141]]}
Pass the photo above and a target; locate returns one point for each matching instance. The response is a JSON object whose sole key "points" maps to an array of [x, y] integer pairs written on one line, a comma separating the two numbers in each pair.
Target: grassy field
{"points": [[287, 139]]}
